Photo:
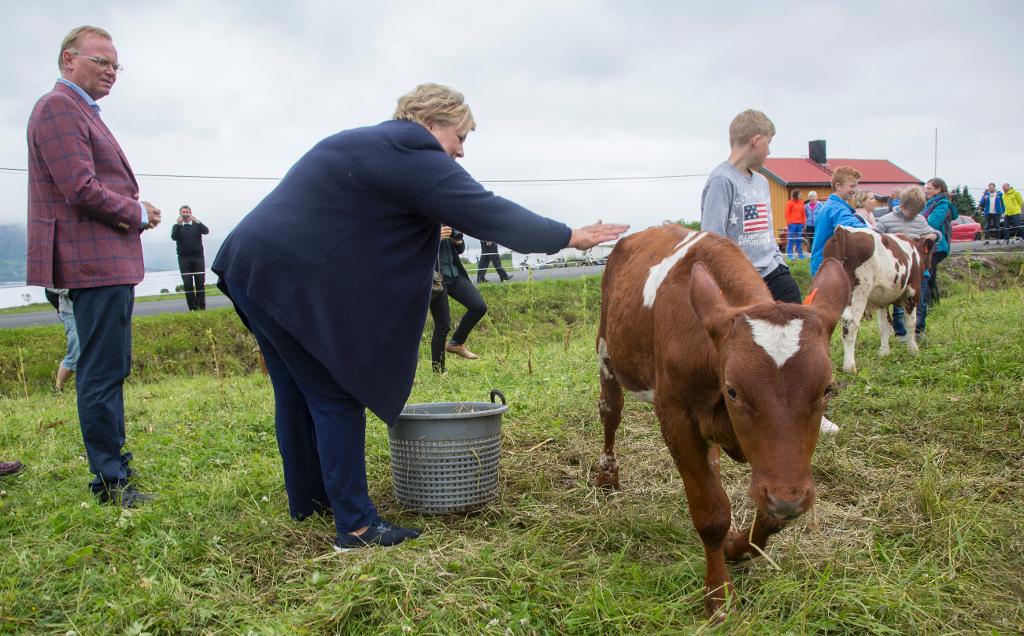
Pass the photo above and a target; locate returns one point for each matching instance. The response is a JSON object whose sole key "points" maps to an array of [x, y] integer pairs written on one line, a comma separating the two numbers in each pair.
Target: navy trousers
{"points": [[321, 428], [103, 316]]}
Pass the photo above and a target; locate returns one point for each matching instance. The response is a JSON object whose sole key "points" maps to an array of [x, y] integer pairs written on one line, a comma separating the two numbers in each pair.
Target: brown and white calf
{"points": [[688, 324], [883, 270]]}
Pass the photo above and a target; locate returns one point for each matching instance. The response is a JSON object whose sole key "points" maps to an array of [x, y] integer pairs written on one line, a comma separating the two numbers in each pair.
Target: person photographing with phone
{"points": [[188, 233]]}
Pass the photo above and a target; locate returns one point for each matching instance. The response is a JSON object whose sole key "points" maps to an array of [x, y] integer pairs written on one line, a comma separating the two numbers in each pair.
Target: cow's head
{"points": [[776, 377], [924, 246]]}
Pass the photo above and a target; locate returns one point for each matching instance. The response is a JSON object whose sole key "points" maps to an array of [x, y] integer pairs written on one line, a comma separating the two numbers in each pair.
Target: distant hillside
{"points": [[13, 245]]}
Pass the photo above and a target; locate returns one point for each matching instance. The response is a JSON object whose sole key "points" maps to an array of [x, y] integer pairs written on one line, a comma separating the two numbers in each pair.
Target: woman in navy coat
{"points": [[332, 274]]}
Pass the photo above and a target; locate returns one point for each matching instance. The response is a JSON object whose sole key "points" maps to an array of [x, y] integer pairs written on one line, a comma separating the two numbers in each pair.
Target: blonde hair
{"points": [[912, 198], [74, 39], [860, 198], [437, 104], [844, 174], [747, 124]]}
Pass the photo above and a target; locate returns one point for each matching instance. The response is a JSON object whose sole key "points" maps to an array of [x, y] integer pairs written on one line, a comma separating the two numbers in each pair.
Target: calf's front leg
{"points": [[707, 500]]}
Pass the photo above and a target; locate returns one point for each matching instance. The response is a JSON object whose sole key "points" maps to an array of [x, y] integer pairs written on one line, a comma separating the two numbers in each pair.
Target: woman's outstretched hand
{"points": [[586, 237]]}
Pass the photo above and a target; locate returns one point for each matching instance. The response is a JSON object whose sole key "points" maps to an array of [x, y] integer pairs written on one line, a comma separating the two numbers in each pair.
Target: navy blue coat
{"points": [[341, 252]]}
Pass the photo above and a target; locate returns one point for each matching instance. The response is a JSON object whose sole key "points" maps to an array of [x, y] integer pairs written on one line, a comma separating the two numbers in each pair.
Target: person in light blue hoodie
{"points": [[836, 211]]}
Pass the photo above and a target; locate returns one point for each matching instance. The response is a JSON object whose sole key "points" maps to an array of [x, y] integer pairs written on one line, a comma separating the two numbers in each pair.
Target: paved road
{"points": [[47, 317], [177, 305]]}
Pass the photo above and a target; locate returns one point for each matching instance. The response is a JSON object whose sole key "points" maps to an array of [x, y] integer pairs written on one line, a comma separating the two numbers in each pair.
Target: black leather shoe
{"points": [[123, 496]]}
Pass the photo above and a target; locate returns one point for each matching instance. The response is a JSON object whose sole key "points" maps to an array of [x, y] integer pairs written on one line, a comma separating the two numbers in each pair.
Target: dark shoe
{"points": [[460, 350], [481, 280], [509, 277], [8, 469], [123, 496], [379, 532]]}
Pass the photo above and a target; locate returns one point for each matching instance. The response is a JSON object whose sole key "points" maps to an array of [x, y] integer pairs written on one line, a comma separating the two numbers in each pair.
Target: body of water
{"points": [[15, 295]]}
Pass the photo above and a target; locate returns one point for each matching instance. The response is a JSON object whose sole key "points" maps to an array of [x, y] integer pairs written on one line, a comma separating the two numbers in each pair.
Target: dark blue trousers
{"points": [[321, 428], [104, 320]]}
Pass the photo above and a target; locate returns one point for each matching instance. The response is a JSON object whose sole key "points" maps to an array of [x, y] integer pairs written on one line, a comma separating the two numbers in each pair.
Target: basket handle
{"points": [[496, 392]]}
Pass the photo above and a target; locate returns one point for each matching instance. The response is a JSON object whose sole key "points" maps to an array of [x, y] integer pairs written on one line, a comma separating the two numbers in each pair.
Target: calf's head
{"points": [[775, 378]]}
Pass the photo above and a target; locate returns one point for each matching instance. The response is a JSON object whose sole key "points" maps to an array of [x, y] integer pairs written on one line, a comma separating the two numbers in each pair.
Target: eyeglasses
{"points": [[102, 62]]}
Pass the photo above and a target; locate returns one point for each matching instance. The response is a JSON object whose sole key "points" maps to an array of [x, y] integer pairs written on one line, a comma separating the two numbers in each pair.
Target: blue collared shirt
{"points": [[96, 109]]}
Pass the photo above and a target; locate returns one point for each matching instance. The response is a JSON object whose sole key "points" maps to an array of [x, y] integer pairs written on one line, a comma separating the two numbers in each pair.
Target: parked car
{"points": [[966, 229]]}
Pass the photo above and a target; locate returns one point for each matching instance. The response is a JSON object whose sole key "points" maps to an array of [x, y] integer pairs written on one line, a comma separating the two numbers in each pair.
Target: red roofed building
{"points": [[879, 176]]}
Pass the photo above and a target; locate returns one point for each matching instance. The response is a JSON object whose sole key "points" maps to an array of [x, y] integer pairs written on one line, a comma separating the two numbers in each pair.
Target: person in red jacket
{"points": [[84, 222], [795, 219]]}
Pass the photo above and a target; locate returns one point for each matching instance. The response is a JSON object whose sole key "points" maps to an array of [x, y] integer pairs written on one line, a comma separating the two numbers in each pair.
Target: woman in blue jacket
{"points": [[940, 213], [332, 273]]}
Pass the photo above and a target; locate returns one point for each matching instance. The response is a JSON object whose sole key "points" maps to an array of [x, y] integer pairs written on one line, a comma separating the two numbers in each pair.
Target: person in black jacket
{"points": [[458, 286], [188, 234], [489, 256]]}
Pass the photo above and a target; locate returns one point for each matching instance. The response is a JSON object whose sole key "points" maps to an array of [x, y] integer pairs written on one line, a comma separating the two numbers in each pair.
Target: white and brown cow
{"points": [[884, 270], [687, 323]]}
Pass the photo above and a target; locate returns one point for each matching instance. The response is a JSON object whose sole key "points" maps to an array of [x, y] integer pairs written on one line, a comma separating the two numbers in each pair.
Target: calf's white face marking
{"points": [[661, 270], [781, 342]]}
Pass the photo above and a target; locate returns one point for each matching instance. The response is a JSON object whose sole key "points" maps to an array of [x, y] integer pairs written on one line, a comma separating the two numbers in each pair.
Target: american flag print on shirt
{"points": [[755, 217]]}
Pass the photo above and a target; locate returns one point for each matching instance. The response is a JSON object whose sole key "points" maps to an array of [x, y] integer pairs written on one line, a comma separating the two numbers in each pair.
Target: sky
{"points": [[559, 89]]}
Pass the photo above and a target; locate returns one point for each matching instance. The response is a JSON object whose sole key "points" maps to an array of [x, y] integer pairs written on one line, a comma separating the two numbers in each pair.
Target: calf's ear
{"points": [[830, 293], [708, 302]]}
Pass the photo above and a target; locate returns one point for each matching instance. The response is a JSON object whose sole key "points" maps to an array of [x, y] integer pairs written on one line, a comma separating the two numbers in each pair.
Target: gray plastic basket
{"points": [[444, 455]]}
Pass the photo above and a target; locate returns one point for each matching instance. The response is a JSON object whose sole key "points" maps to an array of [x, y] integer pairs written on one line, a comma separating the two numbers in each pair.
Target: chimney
{"points": [[816, 151]]}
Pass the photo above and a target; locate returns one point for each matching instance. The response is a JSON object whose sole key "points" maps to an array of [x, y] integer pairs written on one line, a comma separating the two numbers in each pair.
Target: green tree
{"points": [[964, 202]]}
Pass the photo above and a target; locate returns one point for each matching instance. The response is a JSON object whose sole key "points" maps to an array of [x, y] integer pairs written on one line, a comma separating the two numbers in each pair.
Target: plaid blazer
{"points": [[84, 218]]}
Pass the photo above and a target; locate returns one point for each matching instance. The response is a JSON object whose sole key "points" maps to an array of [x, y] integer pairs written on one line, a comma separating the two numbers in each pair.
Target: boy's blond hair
{"points": [[844, 174], [747, 124], [912, 198]]}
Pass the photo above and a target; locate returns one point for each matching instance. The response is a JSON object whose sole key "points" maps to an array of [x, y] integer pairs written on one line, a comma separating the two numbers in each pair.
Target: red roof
{"points": [[879, 173]]}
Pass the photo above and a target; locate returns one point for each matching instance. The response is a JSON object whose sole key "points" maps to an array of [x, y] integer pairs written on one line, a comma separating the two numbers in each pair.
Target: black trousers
{"points": [[783, 286], [193, 275], [992, 226], [462, 290], [486, 260], [103, 316]]}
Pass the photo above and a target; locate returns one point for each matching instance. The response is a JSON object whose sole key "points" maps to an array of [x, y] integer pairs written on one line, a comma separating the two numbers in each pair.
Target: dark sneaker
{"points": [[379, 532], [123, 496], [509, 277], [10, 468]]}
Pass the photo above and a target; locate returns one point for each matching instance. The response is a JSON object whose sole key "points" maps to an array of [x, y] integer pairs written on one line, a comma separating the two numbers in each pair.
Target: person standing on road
{"points": [[991, 206], [188, 233], [489, 256], [811, 208], [84, 226], [1012, 204]]}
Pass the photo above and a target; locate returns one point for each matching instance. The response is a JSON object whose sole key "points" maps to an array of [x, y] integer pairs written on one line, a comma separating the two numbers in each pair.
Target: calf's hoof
{"points": [[608, 472], [716, 604], [849, 368]]}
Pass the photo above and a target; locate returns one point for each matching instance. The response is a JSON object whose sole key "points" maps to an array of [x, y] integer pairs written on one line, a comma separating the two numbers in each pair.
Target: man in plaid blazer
{"points": [[84, 222]]}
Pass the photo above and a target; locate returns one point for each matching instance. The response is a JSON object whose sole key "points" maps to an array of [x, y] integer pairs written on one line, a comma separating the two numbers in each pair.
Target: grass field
{"points": [[917, 527]]}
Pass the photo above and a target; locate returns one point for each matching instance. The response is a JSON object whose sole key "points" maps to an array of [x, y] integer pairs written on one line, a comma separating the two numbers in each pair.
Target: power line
{"points": [[201, 177]]}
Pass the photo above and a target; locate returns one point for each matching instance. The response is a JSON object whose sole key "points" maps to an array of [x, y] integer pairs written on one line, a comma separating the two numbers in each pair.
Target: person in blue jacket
{"points": [[332, 273], [991, 205], [836, 211], [940, 213]]}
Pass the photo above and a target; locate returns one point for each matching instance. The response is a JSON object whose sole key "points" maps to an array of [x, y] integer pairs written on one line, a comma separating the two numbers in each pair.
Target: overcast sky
{"points": [[559, 90]]}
